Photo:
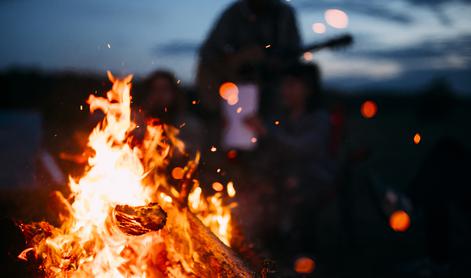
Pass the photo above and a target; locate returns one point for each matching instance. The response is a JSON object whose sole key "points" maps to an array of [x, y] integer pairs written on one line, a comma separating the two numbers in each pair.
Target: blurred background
{"points": [[373, 184]]}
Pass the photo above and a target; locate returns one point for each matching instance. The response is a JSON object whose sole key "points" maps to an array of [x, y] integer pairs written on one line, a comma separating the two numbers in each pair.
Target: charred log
{"points": [[139, 220], [211, 257]]}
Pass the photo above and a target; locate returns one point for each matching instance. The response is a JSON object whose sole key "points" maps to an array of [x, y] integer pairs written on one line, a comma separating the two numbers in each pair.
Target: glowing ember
{"points": [[177, 173], [217, 186], [124, 185]]}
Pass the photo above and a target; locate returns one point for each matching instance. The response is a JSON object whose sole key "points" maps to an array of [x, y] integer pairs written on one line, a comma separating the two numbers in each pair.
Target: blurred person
{"points": [[296, 141], [164, 100], [248, 34]]}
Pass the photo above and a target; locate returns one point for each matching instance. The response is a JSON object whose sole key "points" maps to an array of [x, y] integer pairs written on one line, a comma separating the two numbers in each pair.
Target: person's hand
{"points": [[254, 123]]}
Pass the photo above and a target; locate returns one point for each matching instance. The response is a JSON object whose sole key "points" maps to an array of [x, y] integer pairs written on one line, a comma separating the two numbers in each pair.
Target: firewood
{"points": [[188, 235], [139, 220], [192, 239]]}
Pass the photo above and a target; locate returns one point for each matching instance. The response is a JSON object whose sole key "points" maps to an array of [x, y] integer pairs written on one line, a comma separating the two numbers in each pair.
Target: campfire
{"points": [[124, 217]]}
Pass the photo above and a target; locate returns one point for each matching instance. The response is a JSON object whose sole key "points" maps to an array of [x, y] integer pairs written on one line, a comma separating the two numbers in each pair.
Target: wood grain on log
{"points": [[140, 219], [210, 256]]}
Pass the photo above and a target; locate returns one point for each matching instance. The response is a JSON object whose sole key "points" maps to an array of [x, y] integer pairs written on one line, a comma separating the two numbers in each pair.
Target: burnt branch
{"points": [[139, 220]]}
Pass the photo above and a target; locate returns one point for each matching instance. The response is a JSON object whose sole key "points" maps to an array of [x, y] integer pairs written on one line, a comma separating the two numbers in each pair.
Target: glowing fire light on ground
{"points": [[121, 174], [399, 221]]}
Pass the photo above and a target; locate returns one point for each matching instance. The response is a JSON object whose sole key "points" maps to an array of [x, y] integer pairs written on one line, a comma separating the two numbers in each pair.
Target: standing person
{"points": [[250, 34]]}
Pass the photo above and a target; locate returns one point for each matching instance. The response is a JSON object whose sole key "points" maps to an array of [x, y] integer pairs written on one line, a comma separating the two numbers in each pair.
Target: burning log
{"points": [[139, 220], [211, 257], [191, 238]]}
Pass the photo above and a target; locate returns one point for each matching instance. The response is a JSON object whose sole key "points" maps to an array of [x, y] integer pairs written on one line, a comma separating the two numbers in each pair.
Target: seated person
{"points": [[297, 142], [164, 100]]}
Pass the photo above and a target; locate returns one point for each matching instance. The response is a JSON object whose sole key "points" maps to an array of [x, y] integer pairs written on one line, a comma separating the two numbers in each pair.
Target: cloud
{"points": [[370, 8], [443, 53], [406, 67], [437, 7], [177, 48], [363, 68], [384, 9], [408, 81], [436, 2]]}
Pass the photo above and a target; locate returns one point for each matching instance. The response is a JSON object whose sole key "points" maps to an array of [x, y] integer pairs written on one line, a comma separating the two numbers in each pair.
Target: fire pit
{"points": [[124, 219]]}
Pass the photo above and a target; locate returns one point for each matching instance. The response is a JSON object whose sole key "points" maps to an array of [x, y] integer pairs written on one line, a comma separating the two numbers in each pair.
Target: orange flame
{"points": [[119, 173]]}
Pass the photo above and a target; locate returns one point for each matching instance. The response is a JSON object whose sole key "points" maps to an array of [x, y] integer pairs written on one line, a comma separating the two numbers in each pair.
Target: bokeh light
{"points": [[232, 154], [417, 138], [217, 186], [177, 173], [304, 265], [228, 90], [336, 18], [318, 28], [399, 221], [369, 109], [307, 56], [233, 99]]}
